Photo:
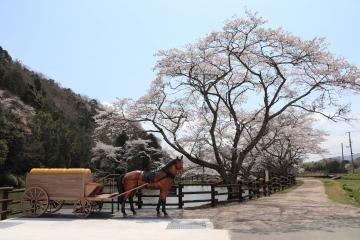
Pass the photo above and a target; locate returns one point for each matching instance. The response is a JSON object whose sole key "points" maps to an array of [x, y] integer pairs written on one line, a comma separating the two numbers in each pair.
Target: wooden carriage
{"points": [[47, 189]]}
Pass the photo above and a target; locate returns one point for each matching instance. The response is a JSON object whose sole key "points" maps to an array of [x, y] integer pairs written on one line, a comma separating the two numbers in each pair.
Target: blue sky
{"points": [[105, 49]]}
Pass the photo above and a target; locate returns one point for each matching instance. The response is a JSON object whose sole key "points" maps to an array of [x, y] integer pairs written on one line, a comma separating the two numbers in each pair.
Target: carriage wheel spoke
{"points": [[27, 196], [34, 202], [82, 208], [35, 193], [55, 205]]}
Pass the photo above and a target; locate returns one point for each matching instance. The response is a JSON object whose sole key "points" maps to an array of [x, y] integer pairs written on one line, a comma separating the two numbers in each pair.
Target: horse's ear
{"points": [[182, 156]]}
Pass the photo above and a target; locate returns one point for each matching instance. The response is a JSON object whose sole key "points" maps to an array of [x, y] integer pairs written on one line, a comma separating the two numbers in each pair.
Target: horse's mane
{"points": [[168, 164]]}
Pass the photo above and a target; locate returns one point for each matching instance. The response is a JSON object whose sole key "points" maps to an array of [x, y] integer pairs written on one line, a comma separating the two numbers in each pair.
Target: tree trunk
{"points": [[232, 190]]}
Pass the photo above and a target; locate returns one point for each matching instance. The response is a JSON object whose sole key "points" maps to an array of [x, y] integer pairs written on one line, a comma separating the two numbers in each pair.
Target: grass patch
{"points": [[298, 184], [352, 187], [353, 176], [335, 192]]}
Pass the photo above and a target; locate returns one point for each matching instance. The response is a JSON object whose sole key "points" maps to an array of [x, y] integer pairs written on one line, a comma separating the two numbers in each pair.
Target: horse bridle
{"points": [[168, 173]]}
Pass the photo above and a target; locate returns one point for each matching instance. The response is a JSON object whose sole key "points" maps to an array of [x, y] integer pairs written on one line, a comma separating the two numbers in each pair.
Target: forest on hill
{"points": [[45, 125], [331, 165]]}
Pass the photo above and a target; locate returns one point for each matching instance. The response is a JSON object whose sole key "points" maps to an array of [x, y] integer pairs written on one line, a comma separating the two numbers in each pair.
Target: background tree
{"points": [[122, 146], [208, 95], [121, 140], [289, 141], [3, 151], [330, 165]]}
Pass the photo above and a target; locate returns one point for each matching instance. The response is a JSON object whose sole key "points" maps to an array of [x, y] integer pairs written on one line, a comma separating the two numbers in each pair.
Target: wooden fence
{"points": [[253, 189], [6, 202]]}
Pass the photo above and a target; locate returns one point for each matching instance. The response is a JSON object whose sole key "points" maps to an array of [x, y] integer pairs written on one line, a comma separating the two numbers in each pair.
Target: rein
{"points": [[165, 169]]}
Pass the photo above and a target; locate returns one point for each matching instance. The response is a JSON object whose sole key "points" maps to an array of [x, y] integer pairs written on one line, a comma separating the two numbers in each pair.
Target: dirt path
{"points": [[304, 213]]}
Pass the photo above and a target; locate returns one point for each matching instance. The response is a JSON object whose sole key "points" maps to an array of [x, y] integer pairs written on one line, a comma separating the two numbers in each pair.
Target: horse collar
{"points": [[168, 173]]}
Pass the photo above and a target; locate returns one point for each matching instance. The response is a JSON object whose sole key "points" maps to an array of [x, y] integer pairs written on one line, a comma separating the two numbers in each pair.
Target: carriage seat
{"points": [[149, 176]]}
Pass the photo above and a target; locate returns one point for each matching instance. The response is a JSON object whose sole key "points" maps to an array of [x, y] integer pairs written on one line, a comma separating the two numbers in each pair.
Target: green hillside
{"points": [[45, 125], [41, 123]]}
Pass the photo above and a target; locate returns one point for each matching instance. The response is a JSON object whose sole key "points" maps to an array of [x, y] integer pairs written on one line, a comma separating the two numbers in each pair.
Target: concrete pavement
{"points": [[109, 229]]}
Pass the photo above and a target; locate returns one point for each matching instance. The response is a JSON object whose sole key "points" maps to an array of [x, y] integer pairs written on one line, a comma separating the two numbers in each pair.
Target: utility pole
{"points": [[351, 153], [342, 152]]}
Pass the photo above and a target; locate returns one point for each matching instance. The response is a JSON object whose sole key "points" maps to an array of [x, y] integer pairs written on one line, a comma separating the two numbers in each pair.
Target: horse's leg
{"points": [[163, 195], [164, 207], [132, 204], [123, 207], [158, 207], [123, 200], [121, 183]]}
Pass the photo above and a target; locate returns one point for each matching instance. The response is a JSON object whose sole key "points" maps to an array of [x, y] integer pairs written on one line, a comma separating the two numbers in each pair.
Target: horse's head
{"points": [[180, 165]]}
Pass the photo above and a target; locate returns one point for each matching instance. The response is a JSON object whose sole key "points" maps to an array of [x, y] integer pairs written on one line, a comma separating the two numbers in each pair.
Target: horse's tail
{"points": [[120, 184]]}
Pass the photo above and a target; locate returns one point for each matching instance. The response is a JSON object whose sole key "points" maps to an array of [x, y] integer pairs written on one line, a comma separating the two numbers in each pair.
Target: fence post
{"points": [[269, 187], [263, 186], [180, 196], [278, 183], [5, 204], [112, 206], [288, 183], [240, 191], [250, 189], [283, 182], [213, 200], [275, 184], [254, 188]]}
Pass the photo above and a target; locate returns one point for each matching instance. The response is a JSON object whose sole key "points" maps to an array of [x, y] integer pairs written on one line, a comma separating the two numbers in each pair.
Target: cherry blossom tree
{"points": [[289, 140], [121, 146], [107, 158], [208, 97]]}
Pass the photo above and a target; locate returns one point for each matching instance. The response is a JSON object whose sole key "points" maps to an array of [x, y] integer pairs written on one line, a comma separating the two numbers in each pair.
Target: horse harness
{"points": [[151, 176]]}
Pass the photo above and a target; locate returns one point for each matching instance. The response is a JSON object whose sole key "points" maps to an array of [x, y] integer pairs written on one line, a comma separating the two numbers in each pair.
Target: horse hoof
{"points": [[158, 214], [166, 214], [124, 215], [134, 213]]}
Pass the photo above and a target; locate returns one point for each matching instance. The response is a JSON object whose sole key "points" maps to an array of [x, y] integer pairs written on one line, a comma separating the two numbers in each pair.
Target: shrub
{"points": [[9, 179]]}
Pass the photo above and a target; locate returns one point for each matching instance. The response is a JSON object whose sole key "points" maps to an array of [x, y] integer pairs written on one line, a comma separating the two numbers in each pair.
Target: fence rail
{"points": [[6, 201], [254, 189], [235, 192]]}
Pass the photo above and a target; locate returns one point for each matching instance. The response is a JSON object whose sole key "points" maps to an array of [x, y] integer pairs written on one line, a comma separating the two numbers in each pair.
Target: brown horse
{"points": [[162, 179]]}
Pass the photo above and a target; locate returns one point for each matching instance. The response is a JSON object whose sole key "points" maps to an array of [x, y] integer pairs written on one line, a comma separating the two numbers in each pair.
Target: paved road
{"points": [[304, 213]]}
